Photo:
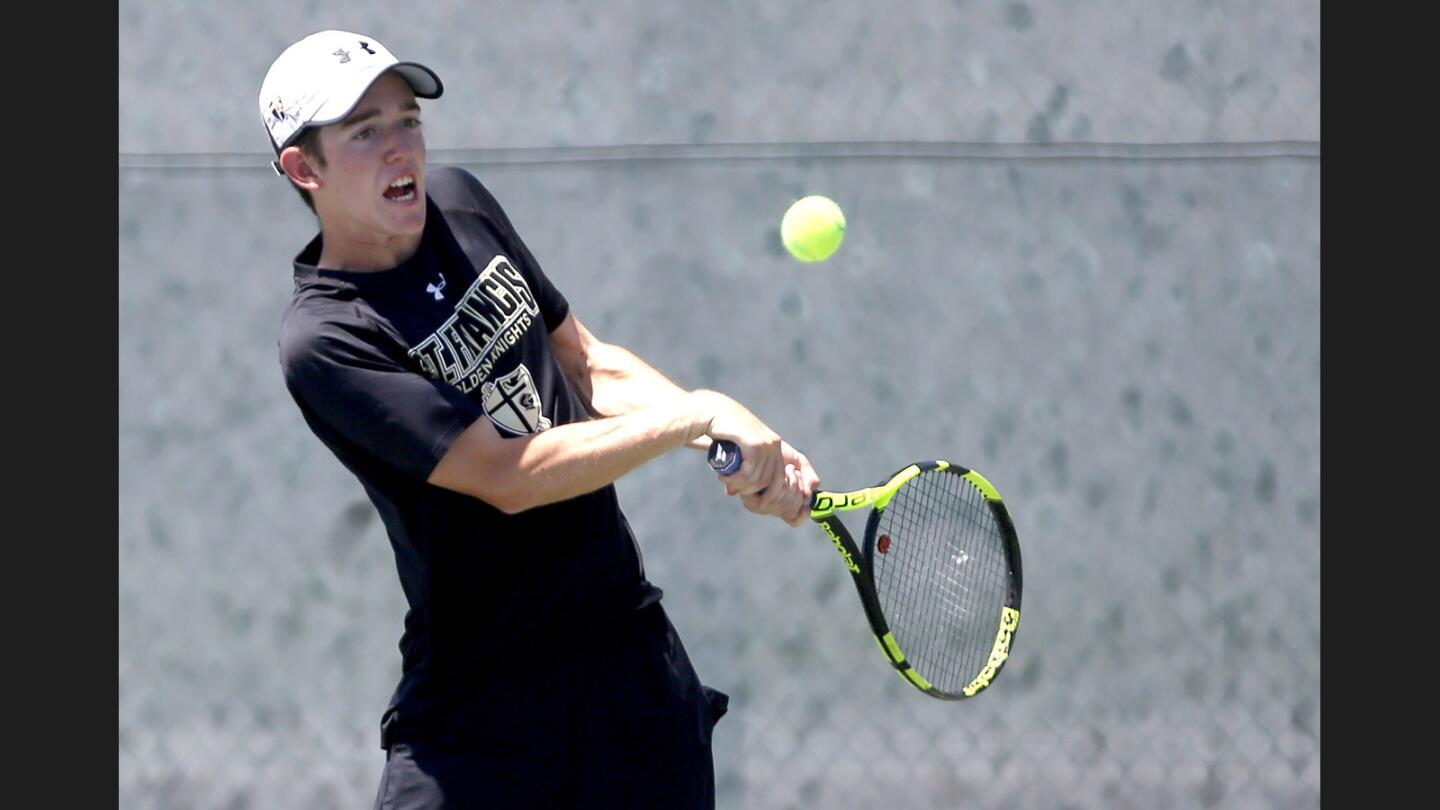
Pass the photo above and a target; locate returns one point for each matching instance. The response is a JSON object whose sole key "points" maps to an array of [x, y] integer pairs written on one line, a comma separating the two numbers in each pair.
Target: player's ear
{"points": [[300, 168]]}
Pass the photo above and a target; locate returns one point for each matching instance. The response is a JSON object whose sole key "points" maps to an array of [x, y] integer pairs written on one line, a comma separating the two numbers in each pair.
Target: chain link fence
{"points": [[1126, 343]]}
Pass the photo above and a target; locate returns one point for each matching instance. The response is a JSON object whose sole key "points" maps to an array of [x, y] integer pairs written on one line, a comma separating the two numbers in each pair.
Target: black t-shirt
{"points": [[388, 368]]}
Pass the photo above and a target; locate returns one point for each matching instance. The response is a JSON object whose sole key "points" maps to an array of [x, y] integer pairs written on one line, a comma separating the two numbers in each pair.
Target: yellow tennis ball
{"points": [[812, 228]]}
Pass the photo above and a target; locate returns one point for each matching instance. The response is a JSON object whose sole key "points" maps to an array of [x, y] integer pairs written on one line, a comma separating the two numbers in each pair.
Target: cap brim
{"points": [[422, 81]]}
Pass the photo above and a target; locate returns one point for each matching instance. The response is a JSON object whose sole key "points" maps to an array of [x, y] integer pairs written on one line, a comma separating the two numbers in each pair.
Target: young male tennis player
{"points": [[429, 351]]}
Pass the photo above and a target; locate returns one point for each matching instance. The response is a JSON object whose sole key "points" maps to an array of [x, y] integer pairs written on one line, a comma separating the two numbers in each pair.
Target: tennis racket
{"points": [[938, 571]]}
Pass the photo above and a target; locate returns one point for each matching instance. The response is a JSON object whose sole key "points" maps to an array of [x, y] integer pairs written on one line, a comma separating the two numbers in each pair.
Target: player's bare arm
{"points": [[613, 381], [610, 379], [566, 461], [563, 462]]}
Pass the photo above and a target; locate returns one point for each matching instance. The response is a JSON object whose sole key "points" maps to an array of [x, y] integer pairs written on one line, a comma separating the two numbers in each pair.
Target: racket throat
{"points": [[826, 504], [842, 547]]}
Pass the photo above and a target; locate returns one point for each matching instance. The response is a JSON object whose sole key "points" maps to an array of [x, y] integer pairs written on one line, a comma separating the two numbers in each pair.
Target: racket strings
{"points": [[944, 642], [942, 577]]}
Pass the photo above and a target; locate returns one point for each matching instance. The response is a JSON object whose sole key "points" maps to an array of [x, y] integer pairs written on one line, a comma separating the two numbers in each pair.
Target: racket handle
{"points": [[724, 457]]}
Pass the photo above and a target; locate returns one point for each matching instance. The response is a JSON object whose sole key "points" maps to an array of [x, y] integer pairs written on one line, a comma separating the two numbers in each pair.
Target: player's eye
{"points": [[364, 133], [412, 123]]}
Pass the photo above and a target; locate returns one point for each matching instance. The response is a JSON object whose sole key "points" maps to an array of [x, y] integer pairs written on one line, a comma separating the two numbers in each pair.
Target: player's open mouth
{"points": [[402, 190]]}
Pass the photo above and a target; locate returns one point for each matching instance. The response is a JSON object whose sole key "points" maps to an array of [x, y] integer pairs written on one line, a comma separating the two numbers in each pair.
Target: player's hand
{"points": [[788, 499], [761, 448]]}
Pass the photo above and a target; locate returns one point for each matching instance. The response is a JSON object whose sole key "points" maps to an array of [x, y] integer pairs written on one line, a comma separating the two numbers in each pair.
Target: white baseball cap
{"points": [[321, 78]]}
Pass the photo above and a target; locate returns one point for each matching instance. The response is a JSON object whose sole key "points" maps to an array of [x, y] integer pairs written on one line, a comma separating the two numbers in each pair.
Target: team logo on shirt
{"points": [[513, 403], [489, 319]]}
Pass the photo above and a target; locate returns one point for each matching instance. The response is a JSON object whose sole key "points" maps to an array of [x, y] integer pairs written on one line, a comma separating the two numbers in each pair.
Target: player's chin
{"points": [[406, 217]]}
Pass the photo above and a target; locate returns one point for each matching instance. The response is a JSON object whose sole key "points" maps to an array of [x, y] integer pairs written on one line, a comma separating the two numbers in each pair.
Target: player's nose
{"points": [[402, 144]]}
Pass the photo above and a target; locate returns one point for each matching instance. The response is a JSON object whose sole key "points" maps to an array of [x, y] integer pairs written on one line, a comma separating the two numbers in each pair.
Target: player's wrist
{"points": [[702, 407]]}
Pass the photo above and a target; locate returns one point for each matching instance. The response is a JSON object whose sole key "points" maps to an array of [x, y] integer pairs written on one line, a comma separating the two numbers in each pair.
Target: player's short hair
{"points": [[309, 142]]}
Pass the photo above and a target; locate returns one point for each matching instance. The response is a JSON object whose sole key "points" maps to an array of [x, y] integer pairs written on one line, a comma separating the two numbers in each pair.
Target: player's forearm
{"points": [[569, 460], [619, 383]]}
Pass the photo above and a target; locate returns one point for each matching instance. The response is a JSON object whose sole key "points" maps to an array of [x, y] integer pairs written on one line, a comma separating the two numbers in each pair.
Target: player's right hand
{"points": [[760, 447]]}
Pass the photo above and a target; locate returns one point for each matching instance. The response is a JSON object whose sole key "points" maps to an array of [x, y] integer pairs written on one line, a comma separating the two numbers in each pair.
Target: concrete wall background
{"points": [[564, 73], [1128, 349]]}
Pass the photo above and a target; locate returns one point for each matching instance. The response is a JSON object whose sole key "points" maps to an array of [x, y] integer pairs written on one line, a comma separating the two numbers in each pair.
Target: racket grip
{"points": [[724, 457]]}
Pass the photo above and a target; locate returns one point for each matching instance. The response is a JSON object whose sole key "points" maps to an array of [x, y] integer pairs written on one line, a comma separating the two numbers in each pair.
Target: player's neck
{"points": [[364, 253]]}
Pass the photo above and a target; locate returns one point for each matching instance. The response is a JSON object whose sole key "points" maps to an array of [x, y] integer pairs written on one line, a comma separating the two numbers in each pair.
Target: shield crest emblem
{"points": [[513, 403]]}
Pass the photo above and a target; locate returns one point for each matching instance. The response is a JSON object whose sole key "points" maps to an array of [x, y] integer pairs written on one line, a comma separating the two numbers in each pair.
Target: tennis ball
{"points": [[812, 228]]}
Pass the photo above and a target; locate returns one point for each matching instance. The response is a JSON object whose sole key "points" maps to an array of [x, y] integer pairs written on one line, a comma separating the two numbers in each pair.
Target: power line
{"points": [[750, 152]]}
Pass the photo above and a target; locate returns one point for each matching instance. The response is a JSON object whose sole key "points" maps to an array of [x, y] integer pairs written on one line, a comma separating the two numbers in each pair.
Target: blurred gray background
{"points": [[1082, 258]]}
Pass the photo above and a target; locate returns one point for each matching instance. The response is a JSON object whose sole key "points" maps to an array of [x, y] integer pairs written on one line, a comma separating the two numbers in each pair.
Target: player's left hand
{"points": [[787, 497]]}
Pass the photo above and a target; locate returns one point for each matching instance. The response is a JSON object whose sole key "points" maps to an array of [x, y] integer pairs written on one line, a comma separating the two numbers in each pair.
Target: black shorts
{"points": [[627, 725]]}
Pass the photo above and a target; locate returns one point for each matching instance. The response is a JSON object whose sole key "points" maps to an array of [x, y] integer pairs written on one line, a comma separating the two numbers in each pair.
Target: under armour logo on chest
{"points": [[435, 291]]}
